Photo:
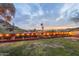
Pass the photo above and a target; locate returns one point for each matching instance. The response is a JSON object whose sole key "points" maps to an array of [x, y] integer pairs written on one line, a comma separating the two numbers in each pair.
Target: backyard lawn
{"points": [[47, 47]]}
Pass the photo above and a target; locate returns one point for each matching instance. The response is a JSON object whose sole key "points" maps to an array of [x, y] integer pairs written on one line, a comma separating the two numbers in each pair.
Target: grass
{"points": [[48, 47]]}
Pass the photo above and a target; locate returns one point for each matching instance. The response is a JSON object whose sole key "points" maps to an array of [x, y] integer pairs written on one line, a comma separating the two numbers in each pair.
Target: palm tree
{"points": [[42, 26]]}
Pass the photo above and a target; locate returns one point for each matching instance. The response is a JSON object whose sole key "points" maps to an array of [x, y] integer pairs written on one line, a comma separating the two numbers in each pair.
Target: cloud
{"points": [[60, 18], [64, 11], [74, 14], [25, 16], [29, 16], [66, 7], [69, 13]]}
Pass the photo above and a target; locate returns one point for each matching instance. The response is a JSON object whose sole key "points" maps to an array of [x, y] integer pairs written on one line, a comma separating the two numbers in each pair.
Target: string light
{"points": [[1, 35]]}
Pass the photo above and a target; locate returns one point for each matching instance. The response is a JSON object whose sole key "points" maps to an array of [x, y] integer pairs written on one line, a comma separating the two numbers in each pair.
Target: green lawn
{"points": [[48, 47]]}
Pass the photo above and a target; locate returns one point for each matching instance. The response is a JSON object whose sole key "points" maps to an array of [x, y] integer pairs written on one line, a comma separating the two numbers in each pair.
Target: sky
{"points": [[52, 15]]}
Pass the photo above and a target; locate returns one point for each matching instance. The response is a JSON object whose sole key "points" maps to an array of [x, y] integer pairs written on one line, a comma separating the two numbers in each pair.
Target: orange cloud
{"points": [[56, 27]]}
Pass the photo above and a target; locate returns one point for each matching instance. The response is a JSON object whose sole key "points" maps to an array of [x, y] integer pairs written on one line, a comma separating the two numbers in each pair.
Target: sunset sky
{"points": [[52, 15]]}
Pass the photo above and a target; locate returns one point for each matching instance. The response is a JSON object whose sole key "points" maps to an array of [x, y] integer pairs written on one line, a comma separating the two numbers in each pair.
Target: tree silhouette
{"points": [[42, 26]]}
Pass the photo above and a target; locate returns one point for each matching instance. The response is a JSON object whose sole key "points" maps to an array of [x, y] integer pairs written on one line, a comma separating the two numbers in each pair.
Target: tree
{"points": [[7, 11], [42, 26]]}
